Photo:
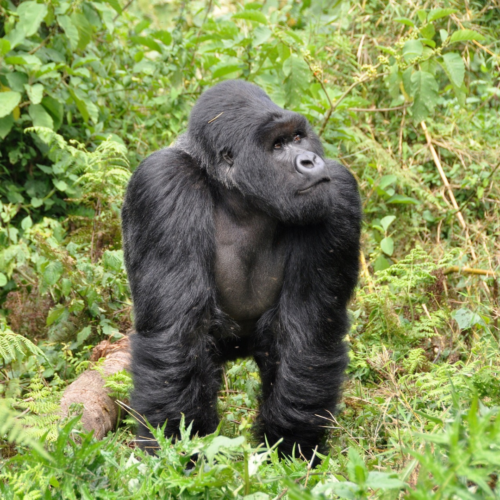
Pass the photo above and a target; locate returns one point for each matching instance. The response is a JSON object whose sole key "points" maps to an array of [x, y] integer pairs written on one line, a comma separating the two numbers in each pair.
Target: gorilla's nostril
{"points": [[308, 163]]}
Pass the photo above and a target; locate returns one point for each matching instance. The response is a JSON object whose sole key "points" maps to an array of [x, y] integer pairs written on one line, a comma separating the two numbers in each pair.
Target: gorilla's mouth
{"points": [[312, 186]]}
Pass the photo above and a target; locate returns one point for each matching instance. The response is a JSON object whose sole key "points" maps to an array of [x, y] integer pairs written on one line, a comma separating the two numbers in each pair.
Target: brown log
{"points": [[100, 411]]}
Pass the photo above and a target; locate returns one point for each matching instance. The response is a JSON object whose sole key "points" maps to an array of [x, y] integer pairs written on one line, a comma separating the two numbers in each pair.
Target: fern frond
{"points": [[14, 347], [12, 430], [41, 409]]}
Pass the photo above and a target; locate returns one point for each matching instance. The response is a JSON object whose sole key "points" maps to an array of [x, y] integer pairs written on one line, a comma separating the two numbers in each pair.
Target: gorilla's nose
{"points": [[309, 164]]}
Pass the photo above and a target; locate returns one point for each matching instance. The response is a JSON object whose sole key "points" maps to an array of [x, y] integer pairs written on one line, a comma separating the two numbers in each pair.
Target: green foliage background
{"points": [[89, 88]]}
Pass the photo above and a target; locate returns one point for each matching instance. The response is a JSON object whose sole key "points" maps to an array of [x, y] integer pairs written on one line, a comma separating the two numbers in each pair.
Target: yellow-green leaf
{"points": [[455, 67], [251, 15], [40, 117], [8, 101], [31, 15], [465, 36]]}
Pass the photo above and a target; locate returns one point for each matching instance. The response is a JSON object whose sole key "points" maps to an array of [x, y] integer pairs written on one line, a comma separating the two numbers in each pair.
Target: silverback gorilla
{"points": [[241, 240]]}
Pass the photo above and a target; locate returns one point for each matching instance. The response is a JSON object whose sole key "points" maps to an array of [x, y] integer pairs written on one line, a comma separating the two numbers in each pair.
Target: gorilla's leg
{"points": [[300, 388], [171, 379]]}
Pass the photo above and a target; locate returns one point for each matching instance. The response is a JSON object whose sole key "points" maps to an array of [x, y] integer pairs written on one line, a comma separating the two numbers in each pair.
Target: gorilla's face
{"points": [[272, 156]]}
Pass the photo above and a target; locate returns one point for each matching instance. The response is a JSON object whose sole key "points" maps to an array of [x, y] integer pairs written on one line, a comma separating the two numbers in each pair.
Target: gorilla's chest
{"points": [[249, 267]]}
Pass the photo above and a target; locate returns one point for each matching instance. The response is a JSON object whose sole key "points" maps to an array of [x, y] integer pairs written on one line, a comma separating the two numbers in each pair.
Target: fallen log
{"points": [[100, 411]]}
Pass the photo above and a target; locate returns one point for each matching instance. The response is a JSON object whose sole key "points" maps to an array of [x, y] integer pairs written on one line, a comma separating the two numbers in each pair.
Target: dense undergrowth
{"points": [[398, 91]]}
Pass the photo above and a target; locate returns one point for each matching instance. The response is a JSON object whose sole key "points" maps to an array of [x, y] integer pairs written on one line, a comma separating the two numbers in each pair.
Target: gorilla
{"points": [[240, 240]]}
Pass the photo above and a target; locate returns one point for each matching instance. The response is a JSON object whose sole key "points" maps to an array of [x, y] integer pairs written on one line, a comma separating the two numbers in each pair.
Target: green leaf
{"points": [[31, 15], [113, 260], [116, 5], [221, 442], [4, 46], [387, 246], [84, 29], [147, 42], [40, 117], [435, 14], [383, 480], [26, 223], [6, 125], [8, 101], [407, 79], [55, 109], [25, 60], [80, 104], [35, 92], [381, 263], [52, 272], [225, 69], [251, 15], [443, 35], [36, 202], [83, 335], [15, 37], [296, 70], [261, 34], [400, 199], [3, 279], [429, 417], [55, 314], [70, 30], [428, 31], [406, 21], [412, 49], [455, 68], [465, 36], [61, 185], [425, 91], [253, 6], [387, 180], [164, 36], [297, 78], [387, 221], [422, 15], [466, 318]]}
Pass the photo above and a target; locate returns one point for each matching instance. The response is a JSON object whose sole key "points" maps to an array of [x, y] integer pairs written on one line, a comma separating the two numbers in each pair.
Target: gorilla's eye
{"points": [[297, 138], [278, 144]]}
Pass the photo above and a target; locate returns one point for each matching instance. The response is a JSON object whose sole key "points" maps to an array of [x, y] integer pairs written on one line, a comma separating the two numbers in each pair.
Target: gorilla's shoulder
{"points": [[167, 171]]}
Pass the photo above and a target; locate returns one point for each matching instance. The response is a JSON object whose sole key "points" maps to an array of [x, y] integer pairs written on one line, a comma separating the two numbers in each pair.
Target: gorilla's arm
{"points": [[169, 243], [303, 368]]}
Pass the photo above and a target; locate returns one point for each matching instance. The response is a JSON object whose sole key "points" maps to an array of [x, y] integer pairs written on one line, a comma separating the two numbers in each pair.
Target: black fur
{"points": [[235, 248]]}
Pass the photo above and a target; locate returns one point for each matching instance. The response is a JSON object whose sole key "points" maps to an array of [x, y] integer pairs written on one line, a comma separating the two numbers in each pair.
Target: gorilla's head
{"points": [[272, 156]]}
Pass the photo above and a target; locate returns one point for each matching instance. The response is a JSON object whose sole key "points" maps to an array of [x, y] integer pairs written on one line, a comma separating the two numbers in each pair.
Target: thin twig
{"points": [[379, 110], [333, 107], [215, 118], [449, 189], [127, 5], [366, 272]]}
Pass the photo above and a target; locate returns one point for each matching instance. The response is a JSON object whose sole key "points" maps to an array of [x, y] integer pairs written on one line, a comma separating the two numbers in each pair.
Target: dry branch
{"points": [[100, 411], [469, 270]]}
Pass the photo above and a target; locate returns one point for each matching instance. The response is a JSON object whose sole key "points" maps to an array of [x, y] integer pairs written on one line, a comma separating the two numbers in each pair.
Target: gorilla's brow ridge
{"points": [[281, 124]]}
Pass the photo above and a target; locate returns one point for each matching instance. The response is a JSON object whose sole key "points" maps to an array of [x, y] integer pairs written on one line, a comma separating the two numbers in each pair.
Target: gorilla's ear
{"points": [[228, 157]]}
